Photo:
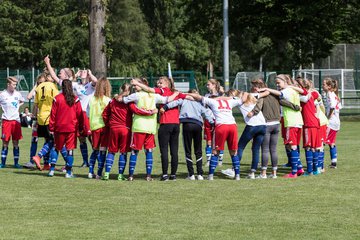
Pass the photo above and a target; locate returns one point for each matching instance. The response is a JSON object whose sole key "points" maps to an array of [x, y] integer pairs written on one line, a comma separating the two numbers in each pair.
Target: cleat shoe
{"points": [[29, 165], [90, 176], [84, 165], [220, 163], [229, 172], [200, 177], [106, 176], [172, 177], [191, 178], [308, 174], [2, 166], [149, 178], [211, 177], [18, 166], [121, 177], [51, 173], [131, 178], [317, 172], [251, 175], [69, 175], [272, 176], [164, 178], [260, 176], [333, 165], [286, 165], [300, 172], [322, 170], [237, 177], [37, 160], [63, 169], [290, 175], [46, 167]]}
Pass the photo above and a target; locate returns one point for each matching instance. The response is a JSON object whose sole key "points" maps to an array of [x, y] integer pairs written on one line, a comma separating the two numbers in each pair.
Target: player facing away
{"points": [[117, 117], [330, 86], [10, 101], [66, 119]]}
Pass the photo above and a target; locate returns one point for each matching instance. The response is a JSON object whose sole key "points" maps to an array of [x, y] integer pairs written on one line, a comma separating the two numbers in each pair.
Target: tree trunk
{"points": [[97, 38]]}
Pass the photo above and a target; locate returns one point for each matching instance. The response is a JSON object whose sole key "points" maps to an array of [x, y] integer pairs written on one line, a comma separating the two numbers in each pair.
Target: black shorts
{"points": [[43, 131]]}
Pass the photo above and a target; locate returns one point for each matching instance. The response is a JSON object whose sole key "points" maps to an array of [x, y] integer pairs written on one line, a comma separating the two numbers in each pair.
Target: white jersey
{"points": [[255, 120], [84, 93], [333, 102], [222, 109], [135, 98], [10, 104]]}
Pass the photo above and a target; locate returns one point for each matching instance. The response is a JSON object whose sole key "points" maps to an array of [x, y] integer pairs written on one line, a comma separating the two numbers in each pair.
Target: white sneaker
{"points": [[29, 165], [229, 172], [237, 177], [200, 177], [251, 175], [272, 176], [69, 175], [211, 177], [51, 173], [192, 178], [90, 176], [261, 176]]}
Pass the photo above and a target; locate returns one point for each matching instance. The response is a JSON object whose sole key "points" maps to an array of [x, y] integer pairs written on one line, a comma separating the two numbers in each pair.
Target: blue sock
{"points": [[294, 156], [69, 161], [309, 160], [109, 161], [333, 154], [122, 163], [84, 152], [236, 163], [221, 155], [46, 157], [16, 152], [149, 161], [53, 158], [92, 161], [64, 153], [46, 148], [101, 162], [33, 148], [315, 160], [132, 163], [208, 152], [4, 153], [213, 164], [321, 159]]}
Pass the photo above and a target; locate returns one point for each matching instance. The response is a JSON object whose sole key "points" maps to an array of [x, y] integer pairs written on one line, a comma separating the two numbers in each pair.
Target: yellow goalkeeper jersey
{"points": [[44, 97]]}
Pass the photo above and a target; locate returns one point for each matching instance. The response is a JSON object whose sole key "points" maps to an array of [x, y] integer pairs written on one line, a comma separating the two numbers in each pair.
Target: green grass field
{"points": [[34, 206]]}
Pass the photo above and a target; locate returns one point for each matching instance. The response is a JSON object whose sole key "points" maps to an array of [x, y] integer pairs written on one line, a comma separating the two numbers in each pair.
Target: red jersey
{"points": [[170, 115], [118, 114], [65, 118], [308, 111]]}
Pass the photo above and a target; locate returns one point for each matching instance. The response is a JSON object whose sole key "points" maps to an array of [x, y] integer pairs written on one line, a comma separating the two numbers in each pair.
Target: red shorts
{"points": [[119, 140], [138, 140], [322, 133], [330, 136], [11, 129], [67, 139], [86, 130], [292, 136], [228, 133], [283, 129], [311, 137], [100, 138], [208, 134]]}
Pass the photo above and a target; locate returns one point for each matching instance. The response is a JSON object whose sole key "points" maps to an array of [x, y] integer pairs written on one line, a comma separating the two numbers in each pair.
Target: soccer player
{"points": [[330, 86], [99, 132], [118, 118], [65, 127], [10, 101]]}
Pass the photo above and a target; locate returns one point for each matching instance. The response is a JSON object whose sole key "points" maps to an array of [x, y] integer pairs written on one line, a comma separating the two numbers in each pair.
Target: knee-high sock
{"points": [[132, 164], [221, 155], [309, 160], [208, 152], [69, 161], [46, 157], [64, 153], [149, 161], [321, 159], [92, 161], [109, 161], [33, 148], [16, 152], [4, 153], [333, 154], [294, 155], [213, 163], [236, 163], [53, 158], [101, 162], [122, 162], [315, 160], [84, 152], [46, 148]]}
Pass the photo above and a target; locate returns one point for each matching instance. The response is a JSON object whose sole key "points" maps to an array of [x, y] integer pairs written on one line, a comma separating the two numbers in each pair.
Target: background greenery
{"points": [[34, 206], [143, 35]]}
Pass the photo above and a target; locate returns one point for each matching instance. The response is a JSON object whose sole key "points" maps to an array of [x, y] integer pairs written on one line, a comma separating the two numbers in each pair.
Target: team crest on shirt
{"points": [[83, 92], [15, 104]]}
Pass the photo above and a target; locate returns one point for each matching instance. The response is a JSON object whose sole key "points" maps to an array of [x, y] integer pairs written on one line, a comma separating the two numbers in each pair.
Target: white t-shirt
{"points": [[135, 98], [10, 104], [222, 109], [255, 120], [84, 93], [333, 102]]}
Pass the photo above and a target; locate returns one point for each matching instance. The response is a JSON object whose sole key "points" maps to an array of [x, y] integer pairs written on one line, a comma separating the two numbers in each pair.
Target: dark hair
{"points": [[68, 92]]}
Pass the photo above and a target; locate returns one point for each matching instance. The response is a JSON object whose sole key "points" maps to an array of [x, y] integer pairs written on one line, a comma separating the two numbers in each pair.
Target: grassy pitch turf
{"points": [[34, 206]]}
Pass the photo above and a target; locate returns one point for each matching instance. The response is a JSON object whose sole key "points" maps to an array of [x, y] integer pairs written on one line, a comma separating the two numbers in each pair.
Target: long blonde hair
{"points": [[103, 88]]}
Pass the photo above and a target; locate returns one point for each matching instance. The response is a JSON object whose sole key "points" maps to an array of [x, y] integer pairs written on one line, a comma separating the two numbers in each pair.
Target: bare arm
{"points": [[272, 91], [31, 93], [92, 77], [51, 70], [142, 86]]}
